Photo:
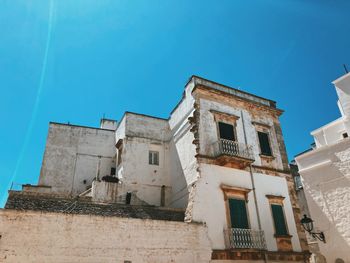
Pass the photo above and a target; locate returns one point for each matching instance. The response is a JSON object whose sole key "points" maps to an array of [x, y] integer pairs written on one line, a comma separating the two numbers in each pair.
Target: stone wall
{"points": [[57, 237]]}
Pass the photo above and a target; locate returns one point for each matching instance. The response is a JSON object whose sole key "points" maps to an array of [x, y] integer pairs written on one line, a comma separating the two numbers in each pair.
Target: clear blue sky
{"points": [[77, 60]]}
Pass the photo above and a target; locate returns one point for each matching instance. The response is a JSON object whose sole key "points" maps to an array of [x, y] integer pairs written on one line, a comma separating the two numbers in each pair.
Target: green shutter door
{"points": [[278, 218], [238, 213]]}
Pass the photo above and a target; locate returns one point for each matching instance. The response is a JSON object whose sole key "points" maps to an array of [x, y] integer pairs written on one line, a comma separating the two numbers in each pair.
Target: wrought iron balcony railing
{"points": [[232, 148], [247, 238]]}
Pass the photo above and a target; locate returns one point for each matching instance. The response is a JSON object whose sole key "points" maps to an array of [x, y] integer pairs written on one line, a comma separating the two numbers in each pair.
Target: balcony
{"points": [[247, 238], [232, 153]]}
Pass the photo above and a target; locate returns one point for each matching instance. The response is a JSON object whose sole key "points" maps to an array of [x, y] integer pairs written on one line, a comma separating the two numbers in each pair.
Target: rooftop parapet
{"points": [[232, 91]]}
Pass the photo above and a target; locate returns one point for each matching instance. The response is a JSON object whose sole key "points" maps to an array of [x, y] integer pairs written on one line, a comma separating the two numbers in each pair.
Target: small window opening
{"points": [[162, 196], [298, 183], [153, 158], [227, 131], [128, 198], [264, 142], [345, 135]]}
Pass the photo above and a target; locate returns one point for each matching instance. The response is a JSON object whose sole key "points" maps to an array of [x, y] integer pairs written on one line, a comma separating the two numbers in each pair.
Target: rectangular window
{"points": [[153, 158], [113, 171], [279, 220], [238, 213], [226, 131], [298, 183], [345, 135], [264, 142]]}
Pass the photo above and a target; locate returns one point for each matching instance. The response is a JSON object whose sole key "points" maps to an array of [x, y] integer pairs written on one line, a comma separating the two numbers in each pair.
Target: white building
{"points": [[220, 157], [325, 172]]}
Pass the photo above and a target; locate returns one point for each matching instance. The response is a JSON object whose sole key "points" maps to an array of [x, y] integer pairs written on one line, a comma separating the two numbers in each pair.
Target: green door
{"points": [[238, 213], [278, 218]]}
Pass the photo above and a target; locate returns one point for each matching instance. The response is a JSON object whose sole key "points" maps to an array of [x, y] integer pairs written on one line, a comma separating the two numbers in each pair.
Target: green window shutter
{"points": [[150, 159], [238, 213], [264, 143], [278, 218]]}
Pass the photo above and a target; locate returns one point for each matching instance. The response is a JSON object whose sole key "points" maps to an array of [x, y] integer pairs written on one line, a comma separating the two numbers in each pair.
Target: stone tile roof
{"points": [[47, 203]]}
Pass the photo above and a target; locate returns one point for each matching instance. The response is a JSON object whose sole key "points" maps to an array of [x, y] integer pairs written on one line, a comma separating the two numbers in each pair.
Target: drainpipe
{"points": [[253, 184]]}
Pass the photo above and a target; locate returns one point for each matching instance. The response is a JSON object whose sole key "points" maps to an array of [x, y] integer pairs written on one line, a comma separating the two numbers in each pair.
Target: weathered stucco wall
{"points": [[210, 197], [74, 156], [140, 125], [183, 165], [326, 178], [57, 237], [277, 186], [209, 132], [141, 134]]}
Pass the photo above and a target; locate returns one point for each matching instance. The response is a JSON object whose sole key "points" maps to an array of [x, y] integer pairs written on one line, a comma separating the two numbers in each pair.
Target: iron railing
{"points": [[232, 148], [247, 238]]}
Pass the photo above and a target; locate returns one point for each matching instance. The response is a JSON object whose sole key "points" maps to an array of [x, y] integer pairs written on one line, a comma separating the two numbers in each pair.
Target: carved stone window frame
{"points": [[232, 192], [265, 128], [283, 241], [225, 118]]}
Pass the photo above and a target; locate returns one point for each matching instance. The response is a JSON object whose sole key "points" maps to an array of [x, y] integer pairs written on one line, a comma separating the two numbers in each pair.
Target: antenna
{"points": [[346, 70]]}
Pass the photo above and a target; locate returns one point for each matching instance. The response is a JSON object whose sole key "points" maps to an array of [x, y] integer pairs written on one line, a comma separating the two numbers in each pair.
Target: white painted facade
{"points": [[325, 172], [76, 158]]}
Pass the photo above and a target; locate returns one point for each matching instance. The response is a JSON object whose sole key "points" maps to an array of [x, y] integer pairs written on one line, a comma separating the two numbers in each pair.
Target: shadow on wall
{"points": [[329, 204], [178, 181]]}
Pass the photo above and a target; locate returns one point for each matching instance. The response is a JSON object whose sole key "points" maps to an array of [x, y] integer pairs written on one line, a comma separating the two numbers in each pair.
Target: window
{"points": [[279, 220], [264, 142], [153, 158], [298, 183], [226, 131], [238, 213], [112, 171], [345, 135]]}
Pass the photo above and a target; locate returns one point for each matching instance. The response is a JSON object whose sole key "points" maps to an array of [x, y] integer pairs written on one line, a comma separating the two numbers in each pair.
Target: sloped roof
{"points": [[47, 203]]}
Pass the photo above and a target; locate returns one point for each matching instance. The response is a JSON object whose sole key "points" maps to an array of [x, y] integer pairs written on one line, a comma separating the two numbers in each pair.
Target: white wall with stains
{"points": [[183, 165], [210, 197], [141, 134], [74, 156]]}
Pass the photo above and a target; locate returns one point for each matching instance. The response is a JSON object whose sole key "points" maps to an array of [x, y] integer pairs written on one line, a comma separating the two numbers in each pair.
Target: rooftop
{"points": [[232, 91], [47, 203]]}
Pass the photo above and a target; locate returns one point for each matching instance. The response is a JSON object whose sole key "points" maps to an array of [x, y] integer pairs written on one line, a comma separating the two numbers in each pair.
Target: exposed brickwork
{"points": [[281, 145], [22, 201], [296, 212]]}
